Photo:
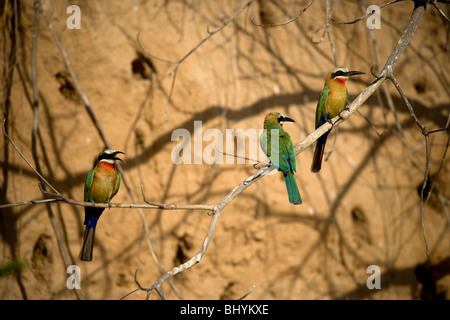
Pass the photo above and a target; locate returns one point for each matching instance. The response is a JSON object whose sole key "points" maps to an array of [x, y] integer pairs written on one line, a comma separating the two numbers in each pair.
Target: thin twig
{"points": [[77, 84], [366, 15], [56, 196], [444, 16], [427, 147], [282, 23], [29, 202], [438, 130], [248, 293], [25, 159], [34, 135], [177, 206], [425, 182], [408, 104], [327, 31], [180, 61], [327, 28], [443, 156], [240, 157]]}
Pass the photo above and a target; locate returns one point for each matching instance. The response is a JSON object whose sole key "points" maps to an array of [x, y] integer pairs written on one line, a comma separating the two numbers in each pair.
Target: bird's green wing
{"points": [[321, 106], [271, 145], [346, 97], [291, 153], [119, 179], [88, 185], [287, 153]]}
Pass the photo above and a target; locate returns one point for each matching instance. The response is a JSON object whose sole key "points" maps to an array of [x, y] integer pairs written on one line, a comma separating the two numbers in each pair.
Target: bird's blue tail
{"points": [[90, 220], [292, 189]]}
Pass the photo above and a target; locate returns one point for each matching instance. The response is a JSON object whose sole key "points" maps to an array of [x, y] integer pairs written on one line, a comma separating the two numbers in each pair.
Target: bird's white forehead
{"points": [[340, 69], [108, 151]]}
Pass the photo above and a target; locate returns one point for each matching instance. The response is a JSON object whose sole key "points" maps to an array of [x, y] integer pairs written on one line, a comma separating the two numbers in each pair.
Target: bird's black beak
{"points": [[352, 73], [115, 154], [284, 119]]}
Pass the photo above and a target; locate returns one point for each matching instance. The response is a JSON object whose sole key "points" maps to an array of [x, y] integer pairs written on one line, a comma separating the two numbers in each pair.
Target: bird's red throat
{"points": [[107, 165]]}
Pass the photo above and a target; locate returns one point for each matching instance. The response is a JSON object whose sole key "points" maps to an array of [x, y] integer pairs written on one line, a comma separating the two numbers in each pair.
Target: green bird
{"points": [[333, 99], [102, 184], [277, 145]]}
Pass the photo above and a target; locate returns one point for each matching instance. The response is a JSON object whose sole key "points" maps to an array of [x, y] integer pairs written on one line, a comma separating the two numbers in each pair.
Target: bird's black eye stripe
{"points": [[101, 157], [105, 156], [337, 74]]}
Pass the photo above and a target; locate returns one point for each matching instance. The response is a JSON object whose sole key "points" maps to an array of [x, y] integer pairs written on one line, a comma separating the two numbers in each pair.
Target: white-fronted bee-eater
{"points": [[277, 145], [102, 184], [333, 99]]}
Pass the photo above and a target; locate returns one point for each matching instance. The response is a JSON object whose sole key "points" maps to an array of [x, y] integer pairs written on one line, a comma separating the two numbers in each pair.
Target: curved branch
{"points": [[282, 23], [25, 159], [366, 15], [441, 12]]}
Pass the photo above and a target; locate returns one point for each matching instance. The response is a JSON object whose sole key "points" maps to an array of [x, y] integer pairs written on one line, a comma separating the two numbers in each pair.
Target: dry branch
{"points": [[366, 15], [63, 250], [252, 19]]}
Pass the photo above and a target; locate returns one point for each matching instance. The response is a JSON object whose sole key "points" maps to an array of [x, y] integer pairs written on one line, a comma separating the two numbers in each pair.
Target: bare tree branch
{"points": [[34, 135], [427, 146], [247, 293], [77, 84], [24, 158], [212, 226], [326, 30], [441, 12], [285, 22], [367, 14], [56, 196]]}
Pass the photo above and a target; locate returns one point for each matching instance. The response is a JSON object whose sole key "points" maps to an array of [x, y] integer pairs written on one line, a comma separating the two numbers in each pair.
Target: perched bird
{"points": [[277, 145], [333, 99], [102, 184]]}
